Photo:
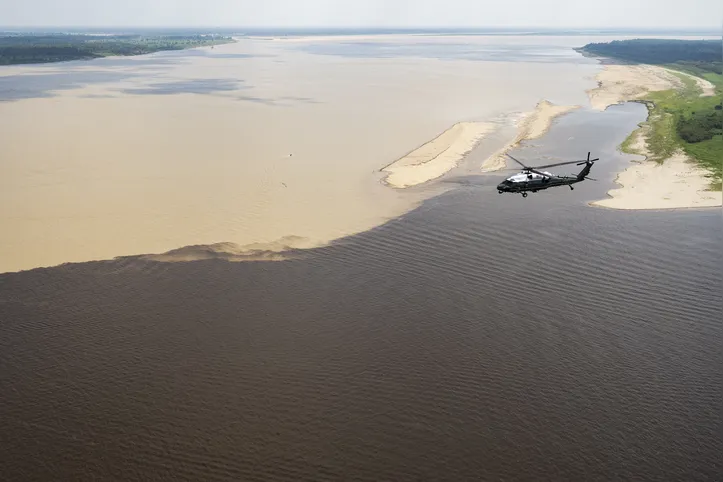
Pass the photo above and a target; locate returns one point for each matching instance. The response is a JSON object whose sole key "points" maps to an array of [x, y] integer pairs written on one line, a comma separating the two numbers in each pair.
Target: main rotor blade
{"points": [[558, 164], [580, 163], [518, 162]]}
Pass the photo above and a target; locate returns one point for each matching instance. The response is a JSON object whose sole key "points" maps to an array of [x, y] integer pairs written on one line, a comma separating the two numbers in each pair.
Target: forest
{"points": [[701, 126], [705, 55], [29, 49]]}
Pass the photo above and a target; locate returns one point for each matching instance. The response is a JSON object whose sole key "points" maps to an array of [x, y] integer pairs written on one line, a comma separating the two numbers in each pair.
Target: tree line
{"points": [[704, 55], [22, 49]]}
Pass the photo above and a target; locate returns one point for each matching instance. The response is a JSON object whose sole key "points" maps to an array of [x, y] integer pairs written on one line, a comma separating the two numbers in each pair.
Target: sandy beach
{"points": [[675, 183], [534, 125]]}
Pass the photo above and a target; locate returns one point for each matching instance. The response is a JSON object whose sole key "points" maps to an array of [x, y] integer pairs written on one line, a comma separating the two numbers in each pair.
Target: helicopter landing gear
{"points": [[571, 188], [524, 194], [499, 192]]}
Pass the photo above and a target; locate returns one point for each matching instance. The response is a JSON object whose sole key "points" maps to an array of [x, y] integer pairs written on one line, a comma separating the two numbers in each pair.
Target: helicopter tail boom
{"points": [[585, 170]]}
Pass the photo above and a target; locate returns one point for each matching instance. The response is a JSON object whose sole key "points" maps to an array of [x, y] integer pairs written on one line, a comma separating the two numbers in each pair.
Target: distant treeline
{"points": [[26, 49], [705, 55]]}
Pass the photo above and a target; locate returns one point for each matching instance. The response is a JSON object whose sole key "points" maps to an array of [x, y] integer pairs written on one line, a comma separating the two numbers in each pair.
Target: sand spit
{"points": [[677, 183], [438, 156], [532, 126], [274, 251]]}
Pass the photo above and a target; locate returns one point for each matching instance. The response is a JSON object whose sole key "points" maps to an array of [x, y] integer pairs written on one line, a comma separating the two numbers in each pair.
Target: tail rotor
{"points": [[582, 175]]}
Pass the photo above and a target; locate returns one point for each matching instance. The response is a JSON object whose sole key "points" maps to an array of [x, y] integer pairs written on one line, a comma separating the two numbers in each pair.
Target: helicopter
{"points": [[532, 179]]}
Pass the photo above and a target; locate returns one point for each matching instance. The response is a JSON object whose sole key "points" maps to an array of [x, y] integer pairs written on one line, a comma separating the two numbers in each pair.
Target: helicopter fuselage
{"points": [[528, 181], [523, 183]]}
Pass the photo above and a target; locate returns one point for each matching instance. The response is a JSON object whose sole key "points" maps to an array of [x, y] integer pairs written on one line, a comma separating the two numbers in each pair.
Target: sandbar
{"points": [[438, 156], [534, 125]]}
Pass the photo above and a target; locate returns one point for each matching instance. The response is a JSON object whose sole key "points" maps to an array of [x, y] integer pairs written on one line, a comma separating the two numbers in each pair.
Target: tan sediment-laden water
{"points": [[251, 142]]}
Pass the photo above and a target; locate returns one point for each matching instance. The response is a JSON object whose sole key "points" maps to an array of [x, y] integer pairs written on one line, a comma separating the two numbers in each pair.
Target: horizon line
{"points": [[355, 27]]}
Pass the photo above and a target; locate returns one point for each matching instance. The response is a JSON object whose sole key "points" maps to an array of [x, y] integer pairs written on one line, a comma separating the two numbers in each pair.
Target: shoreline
{"points": [[283, 249], [279, 250], [675, 183], [88, 58]]}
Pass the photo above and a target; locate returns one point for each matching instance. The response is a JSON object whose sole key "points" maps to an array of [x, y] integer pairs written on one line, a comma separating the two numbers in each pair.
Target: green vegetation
{"points": [[680, 118], [700, 126], [27, 48], [683, 119]]}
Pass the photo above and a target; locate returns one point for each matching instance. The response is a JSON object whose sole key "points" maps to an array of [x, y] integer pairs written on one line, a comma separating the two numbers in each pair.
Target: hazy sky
{"points": [[404, 13]]}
